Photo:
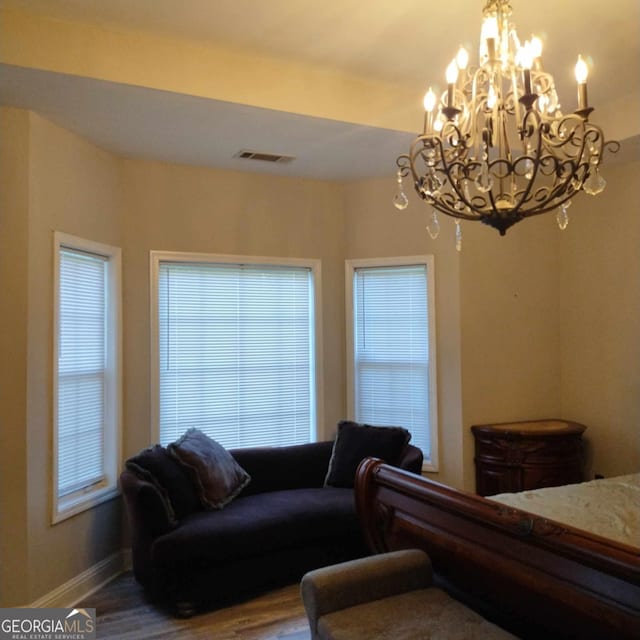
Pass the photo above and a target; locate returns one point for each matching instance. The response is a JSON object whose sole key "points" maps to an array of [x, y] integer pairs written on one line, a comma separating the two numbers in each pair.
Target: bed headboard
{"points": [[533, 576]]}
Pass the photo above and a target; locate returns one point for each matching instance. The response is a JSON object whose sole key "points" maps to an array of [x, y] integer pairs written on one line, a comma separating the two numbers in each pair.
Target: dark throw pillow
{"points": [[172, 481], [217, 476], [354, 442]]}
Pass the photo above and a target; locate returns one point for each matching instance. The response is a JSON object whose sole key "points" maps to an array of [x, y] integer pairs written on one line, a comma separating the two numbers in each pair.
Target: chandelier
{"points": [[496, 146]]}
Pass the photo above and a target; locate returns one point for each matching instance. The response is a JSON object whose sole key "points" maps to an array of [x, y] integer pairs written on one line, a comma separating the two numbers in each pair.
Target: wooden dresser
{"points": [[517, 456]]}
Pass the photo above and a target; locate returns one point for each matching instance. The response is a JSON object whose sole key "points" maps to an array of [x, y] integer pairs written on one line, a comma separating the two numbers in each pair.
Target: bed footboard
{"points": [[533, 576]]}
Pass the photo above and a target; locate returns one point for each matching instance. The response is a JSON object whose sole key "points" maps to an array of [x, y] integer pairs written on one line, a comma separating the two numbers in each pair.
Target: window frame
{"points": [[64, 507], [431, 462], [314, 265]]}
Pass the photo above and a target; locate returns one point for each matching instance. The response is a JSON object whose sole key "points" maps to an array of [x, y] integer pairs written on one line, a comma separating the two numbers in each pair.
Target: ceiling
{"points": [[401, 42]]}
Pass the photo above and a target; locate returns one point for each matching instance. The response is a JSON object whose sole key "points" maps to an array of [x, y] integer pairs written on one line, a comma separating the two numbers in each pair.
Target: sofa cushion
{"points": [[354, 442], [296, 466], [172, 481], [218, 478], [259, 524]]}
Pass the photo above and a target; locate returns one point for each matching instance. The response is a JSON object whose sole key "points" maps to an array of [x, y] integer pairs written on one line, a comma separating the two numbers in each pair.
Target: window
{"points": [[236, 348], [391, 343], [86, 374]]}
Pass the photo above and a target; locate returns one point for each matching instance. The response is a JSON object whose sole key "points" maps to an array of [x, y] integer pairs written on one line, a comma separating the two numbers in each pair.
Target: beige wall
{"points": [[72, 187], [178, 208], [509, 323], [599, 319], [14, 209]]}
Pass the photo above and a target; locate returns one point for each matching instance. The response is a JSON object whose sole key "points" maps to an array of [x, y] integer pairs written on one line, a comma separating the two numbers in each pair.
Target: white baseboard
{"points": [[84, 584]]}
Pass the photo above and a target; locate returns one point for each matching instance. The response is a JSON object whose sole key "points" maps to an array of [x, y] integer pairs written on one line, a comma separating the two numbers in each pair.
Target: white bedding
{"points": [[609, 508]]}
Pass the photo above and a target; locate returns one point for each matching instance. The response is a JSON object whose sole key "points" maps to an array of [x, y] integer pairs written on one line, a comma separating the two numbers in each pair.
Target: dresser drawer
{"points": [[527, 455]]}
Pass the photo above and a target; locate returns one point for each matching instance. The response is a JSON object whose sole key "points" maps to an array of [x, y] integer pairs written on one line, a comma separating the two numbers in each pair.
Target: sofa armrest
{"points": [[351, 583], [148, 519]]}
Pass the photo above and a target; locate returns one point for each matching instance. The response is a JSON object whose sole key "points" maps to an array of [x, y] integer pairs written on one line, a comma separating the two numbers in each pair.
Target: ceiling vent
{"points": [[265, 157]]}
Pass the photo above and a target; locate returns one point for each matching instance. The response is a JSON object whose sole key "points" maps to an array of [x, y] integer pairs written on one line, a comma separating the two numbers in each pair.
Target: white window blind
{"points": [[391, 351], [81, 370], [236, 352]]}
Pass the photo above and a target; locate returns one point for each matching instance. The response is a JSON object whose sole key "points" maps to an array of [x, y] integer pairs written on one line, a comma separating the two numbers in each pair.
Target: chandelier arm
{"points": [[595, 132], [459, 193], [595, 137], [565, 139], [505, 152], [479, 100], [556, 196], [612, 146], [549, 207], [420, 140], [536, 163], [514, 91], [453, 213], [580, 134], [402, 161]]}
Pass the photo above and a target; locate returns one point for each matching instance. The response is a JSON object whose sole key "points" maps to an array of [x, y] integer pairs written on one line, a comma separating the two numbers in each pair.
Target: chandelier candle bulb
{"points": [[582, 71], [526, 58], [452, 76], [491, 49], [488, 36], [527, 81], [462, 60], [429, 104], [536, 52]]}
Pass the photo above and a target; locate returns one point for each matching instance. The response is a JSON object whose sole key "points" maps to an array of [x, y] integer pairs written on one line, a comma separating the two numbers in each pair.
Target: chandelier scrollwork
{"points": [[496, 146]]}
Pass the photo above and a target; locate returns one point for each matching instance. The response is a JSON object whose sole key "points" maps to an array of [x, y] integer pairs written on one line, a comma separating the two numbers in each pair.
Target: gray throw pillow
{"points": [[218, 478]]}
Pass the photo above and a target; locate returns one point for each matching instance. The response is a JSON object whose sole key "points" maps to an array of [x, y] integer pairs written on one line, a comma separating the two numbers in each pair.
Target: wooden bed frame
{"points": [[537, 578]]}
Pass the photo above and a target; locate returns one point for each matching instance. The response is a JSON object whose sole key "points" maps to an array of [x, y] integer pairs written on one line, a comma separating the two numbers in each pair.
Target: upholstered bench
{"points": [[388, 597]]}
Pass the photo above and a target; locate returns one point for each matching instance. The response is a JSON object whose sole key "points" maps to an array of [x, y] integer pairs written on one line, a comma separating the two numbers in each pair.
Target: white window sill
{"points": [[67, 508]]}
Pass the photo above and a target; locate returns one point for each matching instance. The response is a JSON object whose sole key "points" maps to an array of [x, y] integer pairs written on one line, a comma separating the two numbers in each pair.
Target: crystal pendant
{"points": [[595, 183], [400, 200], [483, 180], [576, 183], [528, 165], [431, 184], [562, 216], [465, 190], [458, 236], [433, 226]]}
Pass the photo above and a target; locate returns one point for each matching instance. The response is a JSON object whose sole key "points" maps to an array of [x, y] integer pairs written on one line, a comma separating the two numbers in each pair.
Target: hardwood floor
{"points": [[124, 613]]}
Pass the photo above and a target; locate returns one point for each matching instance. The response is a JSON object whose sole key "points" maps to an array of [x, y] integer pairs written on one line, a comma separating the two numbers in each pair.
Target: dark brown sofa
{"points": [[284, 523]]}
